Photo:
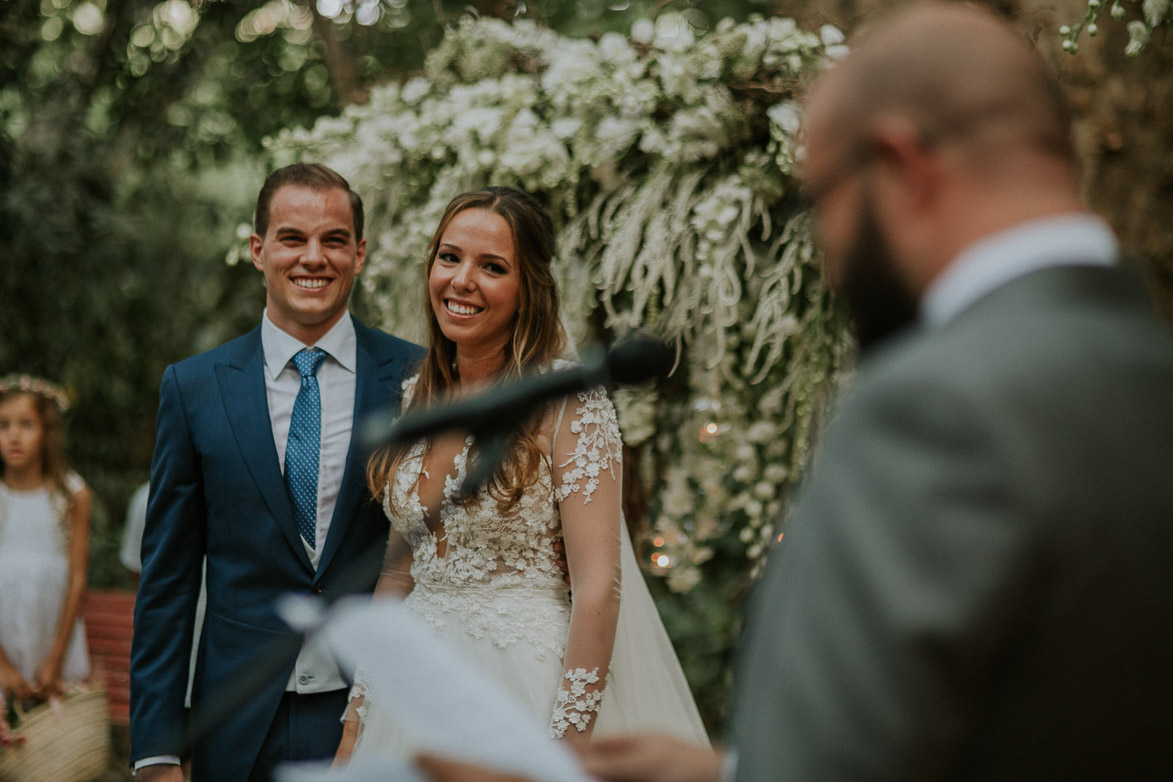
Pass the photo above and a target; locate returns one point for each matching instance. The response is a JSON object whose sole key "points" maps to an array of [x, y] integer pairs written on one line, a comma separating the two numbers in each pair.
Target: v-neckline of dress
{"points": [[434, 521]]}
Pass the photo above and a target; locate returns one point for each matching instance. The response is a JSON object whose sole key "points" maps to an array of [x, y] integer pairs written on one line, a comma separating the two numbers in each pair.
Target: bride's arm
{"points": [[394, 579], [586, 466]]}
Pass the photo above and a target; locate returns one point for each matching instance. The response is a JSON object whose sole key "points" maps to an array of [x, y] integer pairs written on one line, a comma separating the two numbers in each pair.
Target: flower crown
{"points": [[11, 384]]}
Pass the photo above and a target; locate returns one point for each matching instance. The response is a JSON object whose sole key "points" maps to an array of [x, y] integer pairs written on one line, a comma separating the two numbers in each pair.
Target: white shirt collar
{"points": [[279, 346], [1076, 239]]}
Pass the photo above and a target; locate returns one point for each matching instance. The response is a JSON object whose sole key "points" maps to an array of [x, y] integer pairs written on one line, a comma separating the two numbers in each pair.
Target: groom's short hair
{"points": [[314, 176]]}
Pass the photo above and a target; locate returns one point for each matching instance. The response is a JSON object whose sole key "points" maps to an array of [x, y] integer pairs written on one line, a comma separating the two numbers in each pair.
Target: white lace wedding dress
{"points": [[497, 595]]}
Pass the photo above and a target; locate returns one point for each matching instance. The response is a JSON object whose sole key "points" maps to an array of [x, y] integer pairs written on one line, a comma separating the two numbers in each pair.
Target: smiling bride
{"points": [[588, 657]]}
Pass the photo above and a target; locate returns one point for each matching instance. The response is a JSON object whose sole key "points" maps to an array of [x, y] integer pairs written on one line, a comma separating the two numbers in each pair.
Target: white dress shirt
{"points": [[336, 382], [1076, 239], [315, 670]]}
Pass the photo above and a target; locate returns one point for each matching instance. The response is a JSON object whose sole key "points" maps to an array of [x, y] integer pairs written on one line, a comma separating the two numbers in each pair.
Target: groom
{"points": [[256, 472]]}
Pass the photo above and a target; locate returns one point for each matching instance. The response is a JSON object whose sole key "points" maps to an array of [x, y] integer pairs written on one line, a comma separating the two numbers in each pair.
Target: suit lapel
{"points": [[242, 387], [373, 388]]}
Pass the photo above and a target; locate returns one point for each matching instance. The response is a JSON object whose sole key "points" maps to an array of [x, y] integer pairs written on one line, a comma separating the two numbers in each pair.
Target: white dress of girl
{"points": [[34, 577], [497, 595]]}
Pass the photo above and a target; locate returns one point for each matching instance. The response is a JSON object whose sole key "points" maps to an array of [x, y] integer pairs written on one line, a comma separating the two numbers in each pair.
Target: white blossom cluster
{"points": [[667, 160], [730, 451], [1150, 15]]}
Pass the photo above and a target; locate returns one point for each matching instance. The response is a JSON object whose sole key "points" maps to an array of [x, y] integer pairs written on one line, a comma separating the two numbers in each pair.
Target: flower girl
{"points": [[44, 542]]}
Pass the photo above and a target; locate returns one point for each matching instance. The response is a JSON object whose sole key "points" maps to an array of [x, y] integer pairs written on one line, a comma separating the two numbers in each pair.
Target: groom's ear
{"points": [[360, 256], [256, 246]]}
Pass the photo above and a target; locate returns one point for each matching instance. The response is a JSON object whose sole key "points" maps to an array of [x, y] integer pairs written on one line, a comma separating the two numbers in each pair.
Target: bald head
{"points": [[956, 72], [940, 128]]}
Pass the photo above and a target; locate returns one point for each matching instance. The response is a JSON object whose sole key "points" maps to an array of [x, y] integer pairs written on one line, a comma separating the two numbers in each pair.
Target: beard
{"points": [[878, 300]]}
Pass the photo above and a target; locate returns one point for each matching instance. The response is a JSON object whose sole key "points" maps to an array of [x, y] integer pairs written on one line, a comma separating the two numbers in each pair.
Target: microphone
{"points": [[493, 417]]}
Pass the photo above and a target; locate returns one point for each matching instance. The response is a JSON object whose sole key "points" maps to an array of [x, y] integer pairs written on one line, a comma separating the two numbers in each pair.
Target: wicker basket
{"points": [[66, 741]]}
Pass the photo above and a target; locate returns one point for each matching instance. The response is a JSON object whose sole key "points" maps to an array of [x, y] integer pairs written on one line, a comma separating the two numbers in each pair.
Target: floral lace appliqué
{"points": [[489, 551], [599, 445], [359, 692], [577, 705]]}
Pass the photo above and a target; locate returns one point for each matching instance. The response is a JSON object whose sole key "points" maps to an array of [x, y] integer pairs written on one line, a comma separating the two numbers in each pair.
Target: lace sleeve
{"points": [[589, 447], [407, 391], [586, 464], [395, 576], [356, 700]]}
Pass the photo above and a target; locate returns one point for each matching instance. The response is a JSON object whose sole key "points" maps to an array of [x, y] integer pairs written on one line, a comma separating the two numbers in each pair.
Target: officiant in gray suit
{"points": [[977, 581]]}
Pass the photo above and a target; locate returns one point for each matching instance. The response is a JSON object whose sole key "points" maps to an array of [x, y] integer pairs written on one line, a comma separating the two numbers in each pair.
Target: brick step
{"points": [[109, 622]]}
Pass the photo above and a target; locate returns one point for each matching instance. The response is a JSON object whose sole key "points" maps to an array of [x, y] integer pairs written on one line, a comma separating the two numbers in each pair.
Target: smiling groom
{"points": [[256, 472]]}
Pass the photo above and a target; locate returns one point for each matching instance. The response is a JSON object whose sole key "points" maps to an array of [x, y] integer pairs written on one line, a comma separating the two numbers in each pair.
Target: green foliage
{"points": [[112, 241], [666, 160]]}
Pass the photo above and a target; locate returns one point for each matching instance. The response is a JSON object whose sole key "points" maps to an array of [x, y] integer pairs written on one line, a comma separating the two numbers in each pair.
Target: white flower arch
{"points": [[666, 159]]}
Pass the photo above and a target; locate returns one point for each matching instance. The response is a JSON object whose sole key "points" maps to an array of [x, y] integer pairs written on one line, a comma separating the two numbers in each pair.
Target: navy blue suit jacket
{"points": [[217, 491]]}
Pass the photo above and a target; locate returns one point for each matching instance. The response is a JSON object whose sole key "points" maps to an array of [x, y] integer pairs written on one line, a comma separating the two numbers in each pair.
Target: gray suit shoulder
{"points": [[1065, 375], [1060, 328]]}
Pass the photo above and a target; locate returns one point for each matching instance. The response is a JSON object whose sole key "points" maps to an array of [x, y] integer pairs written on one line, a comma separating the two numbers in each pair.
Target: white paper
{"points": [[368, 770], [452, 709]]}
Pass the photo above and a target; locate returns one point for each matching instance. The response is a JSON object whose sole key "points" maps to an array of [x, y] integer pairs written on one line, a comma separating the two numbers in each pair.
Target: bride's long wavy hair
{"points": [[537, 337]]}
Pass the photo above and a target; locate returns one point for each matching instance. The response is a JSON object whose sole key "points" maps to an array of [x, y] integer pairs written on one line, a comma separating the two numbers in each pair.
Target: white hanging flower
{"points": [[635, 408], [643, 31], [1154, 12], [743, 473], [764, 490], [831, 35], [616, 50], [684, 579], [673, 33], [1138, 38], [775, 473], [565, 127], [415, 89], [678, 78], [785, 114], [834, 42], [762, 431]]}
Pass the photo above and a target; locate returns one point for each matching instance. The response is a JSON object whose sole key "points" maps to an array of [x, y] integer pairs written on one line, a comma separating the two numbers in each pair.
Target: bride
{"points": [[483, 571]]}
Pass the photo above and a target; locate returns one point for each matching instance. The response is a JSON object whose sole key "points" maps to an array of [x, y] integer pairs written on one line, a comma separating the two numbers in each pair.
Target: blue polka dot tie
{"points": [[301, 451]]}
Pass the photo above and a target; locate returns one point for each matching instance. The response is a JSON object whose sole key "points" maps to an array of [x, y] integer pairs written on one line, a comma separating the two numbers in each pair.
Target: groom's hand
{"points": [[159, 772], [651, 757]]}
